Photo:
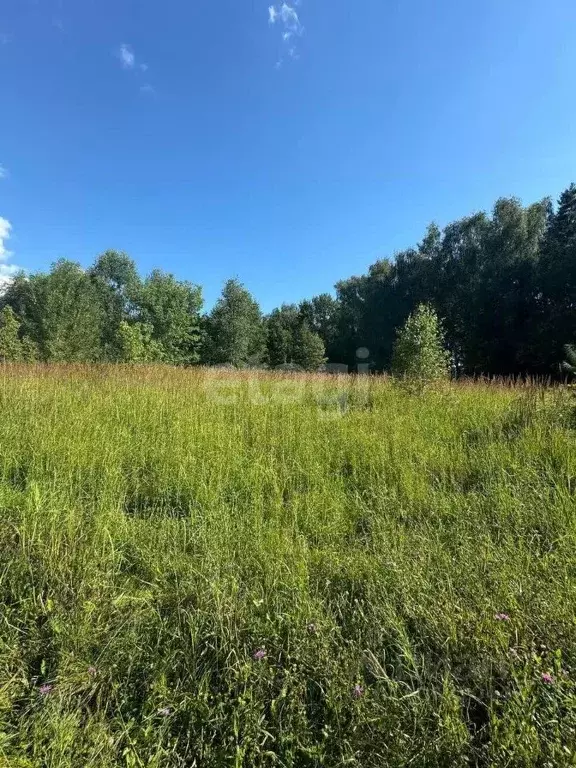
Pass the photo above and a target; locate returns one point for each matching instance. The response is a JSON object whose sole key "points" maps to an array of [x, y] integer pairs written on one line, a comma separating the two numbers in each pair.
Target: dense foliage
{"points": [[503, 286], [248, 570]]}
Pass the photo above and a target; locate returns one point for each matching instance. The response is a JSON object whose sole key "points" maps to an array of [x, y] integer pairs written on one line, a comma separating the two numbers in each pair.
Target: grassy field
{"points": [[215, 569]]}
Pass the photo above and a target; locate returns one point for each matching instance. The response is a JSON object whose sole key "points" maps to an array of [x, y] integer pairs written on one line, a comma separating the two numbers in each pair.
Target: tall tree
{"points": [[557, 280], [351, 323], [505, 298], [60, 311], [281, 328], [321, 313], [309, 351], [234, 330], [172, 309], [118, 285], [10, 344], [458, 277]]}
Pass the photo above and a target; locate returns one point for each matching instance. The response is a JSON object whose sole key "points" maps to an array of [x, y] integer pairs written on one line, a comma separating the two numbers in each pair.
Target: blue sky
{"points": [[192, 135]]}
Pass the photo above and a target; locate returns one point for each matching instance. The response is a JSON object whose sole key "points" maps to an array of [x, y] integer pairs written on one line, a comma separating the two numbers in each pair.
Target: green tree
{"points": [[60, 312], [172, 309], [30, 352], [351, 319], [117, 285], [569, 365], [557, 320], [322, 314], [13, 348], [505, 296], [136, 345], [419, 352], [10, 345], [309, 351], [281, 327], [234, 330]]}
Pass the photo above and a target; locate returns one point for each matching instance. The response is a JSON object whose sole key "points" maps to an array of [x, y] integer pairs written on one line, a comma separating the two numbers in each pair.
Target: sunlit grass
{"points": [[202, 568]]}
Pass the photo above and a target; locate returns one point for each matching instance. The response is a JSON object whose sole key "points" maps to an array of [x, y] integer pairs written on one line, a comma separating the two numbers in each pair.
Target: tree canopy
{"points": [[503, 286]]}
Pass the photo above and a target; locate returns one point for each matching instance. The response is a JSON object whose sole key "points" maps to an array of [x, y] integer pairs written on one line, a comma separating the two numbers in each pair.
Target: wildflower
{"points": [[164, 711], [312, 628], [547, 678], [92, 671], [259, 654], [357, 691], [502, 617], [46, 689]]}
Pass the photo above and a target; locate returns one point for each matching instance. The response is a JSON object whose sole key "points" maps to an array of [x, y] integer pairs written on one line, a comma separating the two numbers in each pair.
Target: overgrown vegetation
{"points": [[204, 568], [503, 286]]}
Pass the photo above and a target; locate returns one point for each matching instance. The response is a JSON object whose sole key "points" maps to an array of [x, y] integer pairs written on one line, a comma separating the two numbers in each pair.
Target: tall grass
{"points": [[201, 568]]}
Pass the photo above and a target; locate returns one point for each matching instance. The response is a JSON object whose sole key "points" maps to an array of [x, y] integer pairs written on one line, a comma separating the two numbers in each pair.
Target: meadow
{"points": [[212, 569]]}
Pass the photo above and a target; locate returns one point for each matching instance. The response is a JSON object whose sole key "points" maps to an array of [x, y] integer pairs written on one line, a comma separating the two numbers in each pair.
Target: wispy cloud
{"points": [[3, 172], [4, 38], [127, 56], [7, 271], [128, 60], [147, 88], [286, 17]]}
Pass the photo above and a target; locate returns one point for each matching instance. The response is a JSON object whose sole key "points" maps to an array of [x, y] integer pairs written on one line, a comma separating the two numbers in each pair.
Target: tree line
{"points": [[503, 285]]}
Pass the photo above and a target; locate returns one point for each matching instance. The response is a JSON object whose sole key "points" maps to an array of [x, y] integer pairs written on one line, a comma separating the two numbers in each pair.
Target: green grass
{"points": [[158, 527]]}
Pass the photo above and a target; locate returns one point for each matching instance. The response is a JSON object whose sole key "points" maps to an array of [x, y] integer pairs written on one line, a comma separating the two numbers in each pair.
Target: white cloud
{"points": [[287, 17], [7, 271], [128, 61], [3, 172], [126, 56], [5, 228]]}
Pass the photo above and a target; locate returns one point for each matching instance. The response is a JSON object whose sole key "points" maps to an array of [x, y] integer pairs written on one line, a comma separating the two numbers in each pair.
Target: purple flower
{"points": [[259, 654], [502, 617], [46, 689], [164, 711], [92, 671], [357, 691], [312, 628], [547, 678]]}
